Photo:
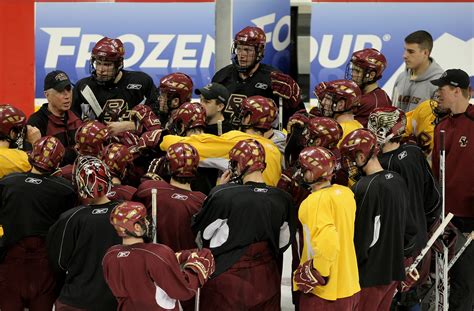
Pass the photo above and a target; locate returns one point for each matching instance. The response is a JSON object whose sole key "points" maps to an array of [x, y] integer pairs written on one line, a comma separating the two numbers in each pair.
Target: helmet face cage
{"points": [[176, 85], [183, 160], [358, 141], [126, 215], [47, 153], [387, 123], [366, 60], [249, 36], [118, 159], [107, 50], [91, 137], [12, 119], [330, 93], [245, 157], [319, 161], [91, 177], [437, 111], [262, 112]]}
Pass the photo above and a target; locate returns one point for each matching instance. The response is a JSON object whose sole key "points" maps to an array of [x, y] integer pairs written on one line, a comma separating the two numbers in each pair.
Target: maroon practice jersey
{"points": [[147, 277], [121, 192], [375, 99], [175, 207]]}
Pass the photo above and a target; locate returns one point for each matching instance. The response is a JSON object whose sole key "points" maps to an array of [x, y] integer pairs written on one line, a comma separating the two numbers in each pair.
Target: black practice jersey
{"points": [[31, 203], [384, 228], [133, 88], [235, 216], [425, 199], [77, 242]]}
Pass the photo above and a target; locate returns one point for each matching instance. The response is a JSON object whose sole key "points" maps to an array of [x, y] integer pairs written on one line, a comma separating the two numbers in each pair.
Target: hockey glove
{"points": [[307, 277], [150, 140], [145, 118], [158, 169], [298, 119], [284, 86], [202, 263], [182, 256]]}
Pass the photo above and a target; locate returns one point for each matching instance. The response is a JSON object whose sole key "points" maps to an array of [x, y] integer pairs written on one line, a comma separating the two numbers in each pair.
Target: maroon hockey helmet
{"points": [[299, 118], [250, 36], [247, 156], [183, 160], [188, 116], [91, 177], [262, 112], [319, 161], [47, 154], [12, 119], [108, 49], [387, 123], [178, 85], [330, 93], [118, 158], [358, 141], [91, 137], [126, 215], [368, 60], [326, 129]]}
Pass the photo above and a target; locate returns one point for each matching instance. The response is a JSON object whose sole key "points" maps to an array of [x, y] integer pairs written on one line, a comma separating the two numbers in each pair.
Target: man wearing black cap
{"points": [[454, 93], [214, 97], [55, 118]]}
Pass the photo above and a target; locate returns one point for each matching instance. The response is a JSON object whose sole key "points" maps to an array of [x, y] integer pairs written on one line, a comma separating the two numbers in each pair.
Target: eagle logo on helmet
{"points": [[387, 123]]}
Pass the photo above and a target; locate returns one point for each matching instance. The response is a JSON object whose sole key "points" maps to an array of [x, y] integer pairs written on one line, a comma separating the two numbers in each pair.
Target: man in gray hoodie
{"points": [[413, 84]]}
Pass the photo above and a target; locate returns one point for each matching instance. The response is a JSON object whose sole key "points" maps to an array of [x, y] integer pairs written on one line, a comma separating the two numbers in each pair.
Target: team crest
{"points": [[463, 141]]}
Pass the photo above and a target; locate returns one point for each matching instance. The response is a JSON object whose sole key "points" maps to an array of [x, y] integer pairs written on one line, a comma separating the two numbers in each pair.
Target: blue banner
{"points": [[274, 18], [159, 38], [339, 29]]}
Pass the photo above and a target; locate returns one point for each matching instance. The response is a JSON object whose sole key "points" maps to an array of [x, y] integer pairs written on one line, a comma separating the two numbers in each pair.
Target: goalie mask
{"points": [[337, 96], [248, 48], [387, 123], [118, 158], [12, 125], [245, 157], [107, 59], [91, 177], [362, 64], [126, 215], [47, 154], [358, 141]]}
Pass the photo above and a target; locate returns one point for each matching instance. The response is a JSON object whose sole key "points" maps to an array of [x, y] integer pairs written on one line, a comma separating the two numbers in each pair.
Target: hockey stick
{"points": [[92, 100], [219, 127], [459, 253], [153, 211], [280, 113]]}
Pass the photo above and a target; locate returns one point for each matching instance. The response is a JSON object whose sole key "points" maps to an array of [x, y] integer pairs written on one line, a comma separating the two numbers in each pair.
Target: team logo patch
{"points": [[34, 181], [261, 85], [99, 211], [123, 254], [178, 196], [260, 190], [134, 86], [402, 155], [388, 176], [463, 141]]}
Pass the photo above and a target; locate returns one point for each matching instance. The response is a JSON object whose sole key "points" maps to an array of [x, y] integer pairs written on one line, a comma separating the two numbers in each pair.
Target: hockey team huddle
{"points": [[121, 195]]}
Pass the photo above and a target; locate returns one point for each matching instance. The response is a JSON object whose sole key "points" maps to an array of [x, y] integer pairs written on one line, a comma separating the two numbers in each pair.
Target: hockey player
{"points": [[119, 161], [112, 87], [454, 93], [177, 202], [214, 98], [327, 275], [381, 221], [247, 227], [31, 203], [13, 130], [257, 115], [175, 90], [247, 76], [78, 241], [147, 276], [365, 69], [337, 99]]}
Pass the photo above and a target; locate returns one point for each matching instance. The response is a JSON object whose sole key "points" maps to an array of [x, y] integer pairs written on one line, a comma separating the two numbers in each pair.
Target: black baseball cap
{"points": [[453, 77], [214, 91], [57, 80]]}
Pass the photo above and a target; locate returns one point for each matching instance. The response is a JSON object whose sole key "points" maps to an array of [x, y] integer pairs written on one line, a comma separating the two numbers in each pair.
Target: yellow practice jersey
{"points": [[347, 127], [214, 151], [327, 217], [13, 161], [420, 123]]}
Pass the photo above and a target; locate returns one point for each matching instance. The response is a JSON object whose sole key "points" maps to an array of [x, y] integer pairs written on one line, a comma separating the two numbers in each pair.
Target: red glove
{"points": [[158, 169], [284, 86], [145, 118], [202, 263], [150, 140], [307, 277], [182, 256], [299, 119], [410, 277], [320, 91]]}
